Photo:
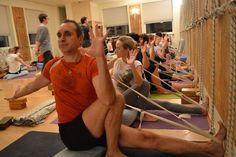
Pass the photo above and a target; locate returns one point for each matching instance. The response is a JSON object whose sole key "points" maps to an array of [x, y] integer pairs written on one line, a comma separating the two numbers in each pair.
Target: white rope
{"points": [[232, 90], [199, 132], [206, 7], [193, 10], [190, 126], [201, 64], [156, 104], [169, 69], [180, 93], [228, 7], [213, 65]]}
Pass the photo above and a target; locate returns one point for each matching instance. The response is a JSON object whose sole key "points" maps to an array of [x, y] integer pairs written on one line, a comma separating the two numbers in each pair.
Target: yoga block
{"points": [[53, 93], [94, 152], [32, 69], [190, 91], [129, 116], [195, 98], [5, 122], [50, 87], [18, 104], [39, 65]]}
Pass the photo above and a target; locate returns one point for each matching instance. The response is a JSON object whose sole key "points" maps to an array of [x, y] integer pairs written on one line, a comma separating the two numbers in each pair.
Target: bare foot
{"points": [[216, 149], [162, 90], [205, 106], [148, 118], [115, 153]]}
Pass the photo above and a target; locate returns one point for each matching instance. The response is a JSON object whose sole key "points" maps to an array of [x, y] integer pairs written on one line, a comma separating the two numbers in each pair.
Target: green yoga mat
{"points": [[155, 95]]}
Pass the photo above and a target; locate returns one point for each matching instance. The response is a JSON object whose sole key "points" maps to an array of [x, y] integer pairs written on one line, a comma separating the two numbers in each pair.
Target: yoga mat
{"points": [[34, 144], [155, 95], [55, 121], [30, 75], [45, 144], [198, 120]]}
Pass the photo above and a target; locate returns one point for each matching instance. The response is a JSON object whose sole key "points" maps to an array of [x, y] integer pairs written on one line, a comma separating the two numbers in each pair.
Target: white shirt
{"points": [[14, 65], [123, 72]]}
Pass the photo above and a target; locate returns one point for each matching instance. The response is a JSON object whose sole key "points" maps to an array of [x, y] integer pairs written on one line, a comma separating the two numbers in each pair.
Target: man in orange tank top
{"points": [[90, 110]]}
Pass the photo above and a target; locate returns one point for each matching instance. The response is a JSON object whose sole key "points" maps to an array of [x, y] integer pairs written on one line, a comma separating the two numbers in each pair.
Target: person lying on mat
{"points": [[89, 108], [129, 71], [15, 62]]}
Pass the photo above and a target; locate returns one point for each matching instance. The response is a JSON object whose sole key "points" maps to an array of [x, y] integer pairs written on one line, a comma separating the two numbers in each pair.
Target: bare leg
{"points": [[98, 117], [205, 106], [135, 138], [185, 76], [112, 126], [179, 86]]}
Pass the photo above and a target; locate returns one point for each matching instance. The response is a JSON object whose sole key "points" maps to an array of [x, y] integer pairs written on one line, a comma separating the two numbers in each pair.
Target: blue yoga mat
{"points": [[198, 120]]}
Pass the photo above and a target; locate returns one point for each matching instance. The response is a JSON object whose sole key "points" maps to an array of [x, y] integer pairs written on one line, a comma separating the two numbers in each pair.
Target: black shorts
{"points": [[19, 71], [76, 136], [148, 76], [163, 75]]}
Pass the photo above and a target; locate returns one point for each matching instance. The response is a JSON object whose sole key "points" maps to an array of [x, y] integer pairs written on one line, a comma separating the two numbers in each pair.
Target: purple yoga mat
{"points": [[55, 121], [198, 120], [29, 75]]}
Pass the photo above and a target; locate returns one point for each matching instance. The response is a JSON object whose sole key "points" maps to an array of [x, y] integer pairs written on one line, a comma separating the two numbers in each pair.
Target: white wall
{"points": [[176, 22], [52, 12]]}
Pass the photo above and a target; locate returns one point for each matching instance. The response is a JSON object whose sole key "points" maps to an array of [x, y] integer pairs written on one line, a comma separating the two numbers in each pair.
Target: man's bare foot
{"points": [[216, 149], [205, 106], [115, 153]]}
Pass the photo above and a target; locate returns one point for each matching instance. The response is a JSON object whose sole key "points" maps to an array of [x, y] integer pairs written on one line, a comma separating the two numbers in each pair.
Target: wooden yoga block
{"points": [[5, 122], [50, 87], [195, 98], [190, 91], [18, 104]]}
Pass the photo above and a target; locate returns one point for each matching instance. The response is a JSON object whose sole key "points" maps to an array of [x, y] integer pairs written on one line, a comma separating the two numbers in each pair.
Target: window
{"points": [[32, 37], [159, 27], [159, 10], [4, 42], [5, 27], [32, 23], [118, 30]]}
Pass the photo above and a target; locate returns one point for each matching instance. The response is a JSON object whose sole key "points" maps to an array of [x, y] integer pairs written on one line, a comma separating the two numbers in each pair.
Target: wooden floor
{"points": [[7, 88]]}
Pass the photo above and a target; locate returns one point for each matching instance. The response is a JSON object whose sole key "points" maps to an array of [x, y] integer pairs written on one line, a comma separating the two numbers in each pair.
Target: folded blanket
{"points": [[37, 115]]}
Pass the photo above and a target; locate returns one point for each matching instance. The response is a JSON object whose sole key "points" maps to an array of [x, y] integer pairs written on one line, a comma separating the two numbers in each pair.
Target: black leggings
{"points": [[47, 56], [133, 99]]}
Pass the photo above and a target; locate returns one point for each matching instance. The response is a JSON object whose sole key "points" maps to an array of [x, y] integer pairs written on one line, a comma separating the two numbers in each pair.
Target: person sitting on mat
{"points": [[89, 108], [155, 71], [151, 67], [129, 71], [15, 62]]}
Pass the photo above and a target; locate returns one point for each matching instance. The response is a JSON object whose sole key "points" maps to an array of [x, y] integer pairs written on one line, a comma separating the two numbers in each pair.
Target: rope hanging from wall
{"points": [[213, 66], [201, 64], [228, 7], [217, 11], [232, 90]]}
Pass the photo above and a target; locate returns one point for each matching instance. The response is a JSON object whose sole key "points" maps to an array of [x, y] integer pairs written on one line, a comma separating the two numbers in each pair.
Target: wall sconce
{"points": [[135, 11]]}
